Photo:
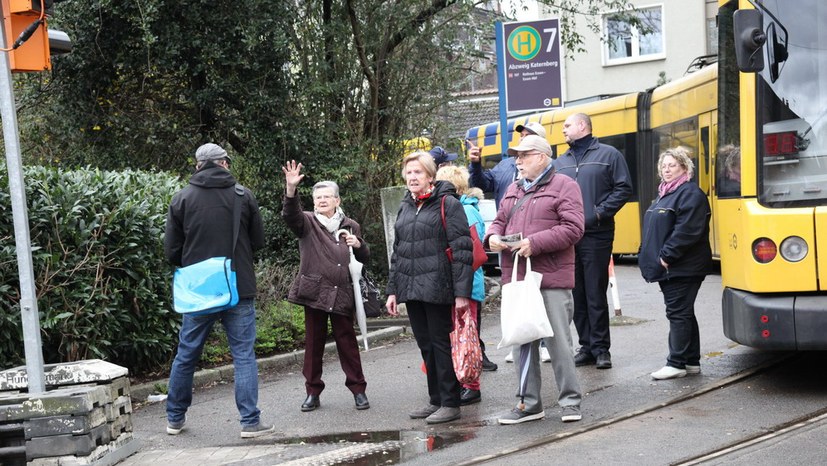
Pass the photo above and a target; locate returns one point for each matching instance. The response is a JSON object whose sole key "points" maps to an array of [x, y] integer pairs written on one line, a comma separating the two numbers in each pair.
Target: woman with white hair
{"points": [[323, 284]]}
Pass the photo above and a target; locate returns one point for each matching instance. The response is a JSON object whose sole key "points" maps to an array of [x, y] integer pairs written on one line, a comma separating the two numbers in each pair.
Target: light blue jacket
{"points": [[472, 211]]}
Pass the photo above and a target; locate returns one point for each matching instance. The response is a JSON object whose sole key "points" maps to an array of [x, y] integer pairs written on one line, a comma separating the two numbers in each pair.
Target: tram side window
{"points": [[683, 133], [729, 171], [627, 145]]}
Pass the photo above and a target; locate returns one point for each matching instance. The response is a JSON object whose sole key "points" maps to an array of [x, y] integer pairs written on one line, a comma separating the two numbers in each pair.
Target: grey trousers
{"points": [[560, 309]]}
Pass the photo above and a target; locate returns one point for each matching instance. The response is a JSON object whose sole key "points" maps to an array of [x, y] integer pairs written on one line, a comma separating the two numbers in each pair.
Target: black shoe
{"points": [[312, 402], [583, 359], [469, 397], [604, 361], [487, 365], [361, 401]]}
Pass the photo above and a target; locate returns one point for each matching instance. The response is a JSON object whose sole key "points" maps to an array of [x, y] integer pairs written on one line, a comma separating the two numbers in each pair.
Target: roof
{"points": [[465, 114]]}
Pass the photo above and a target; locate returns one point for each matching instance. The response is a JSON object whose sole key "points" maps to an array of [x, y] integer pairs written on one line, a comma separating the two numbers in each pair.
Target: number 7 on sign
{"points": [[553, 32]]}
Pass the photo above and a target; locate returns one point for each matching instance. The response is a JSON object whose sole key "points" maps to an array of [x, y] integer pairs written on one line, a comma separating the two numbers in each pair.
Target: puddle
{"points": [[373, 448]]}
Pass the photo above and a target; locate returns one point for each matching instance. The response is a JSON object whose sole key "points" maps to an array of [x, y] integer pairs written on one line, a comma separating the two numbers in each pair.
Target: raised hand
{"points": [[292, 176]]}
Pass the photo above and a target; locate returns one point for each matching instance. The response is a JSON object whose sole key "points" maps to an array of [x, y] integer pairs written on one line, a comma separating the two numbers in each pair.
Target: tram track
{"points": [[775, 433], [733, 379]]}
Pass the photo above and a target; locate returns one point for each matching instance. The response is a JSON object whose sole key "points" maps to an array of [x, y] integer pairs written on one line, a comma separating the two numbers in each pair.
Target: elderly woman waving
{"points": [[323, 284], [422, 277]]}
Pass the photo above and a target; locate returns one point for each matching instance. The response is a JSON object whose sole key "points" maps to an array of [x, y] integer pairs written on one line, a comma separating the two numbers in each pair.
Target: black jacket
{"points": [[604, 181], [676, 228], [420, 270], [200, 225]]}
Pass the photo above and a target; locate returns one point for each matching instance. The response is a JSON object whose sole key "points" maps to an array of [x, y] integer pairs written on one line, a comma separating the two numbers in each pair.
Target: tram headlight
{"points": [[794, 249], [764, 250]]}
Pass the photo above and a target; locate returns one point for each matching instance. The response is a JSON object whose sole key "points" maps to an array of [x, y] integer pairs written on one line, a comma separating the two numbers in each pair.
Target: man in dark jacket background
{"points": [[604, 181], [200, 226]]}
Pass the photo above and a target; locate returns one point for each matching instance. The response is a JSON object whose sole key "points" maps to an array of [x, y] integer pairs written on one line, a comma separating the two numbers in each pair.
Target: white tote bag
{"points": [[522, 312]]}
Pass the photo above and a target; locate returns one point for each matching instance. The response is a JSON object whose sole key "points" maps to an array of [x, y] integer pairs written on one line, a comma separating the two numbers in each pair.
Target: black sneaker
{"points": [[469, 397], [604, 361], [487, 365], [583, 359]]}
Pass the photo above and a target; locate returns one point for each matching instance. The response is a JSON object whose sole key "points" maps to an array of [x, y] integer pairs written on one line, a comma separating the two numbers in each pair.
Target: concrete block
{"points": [[60, 425], [114, 389], [68, 400], [66, 373], [10, 429], [122, 405], [61, 445], [104, 455], [120, 425], [13, 455]]}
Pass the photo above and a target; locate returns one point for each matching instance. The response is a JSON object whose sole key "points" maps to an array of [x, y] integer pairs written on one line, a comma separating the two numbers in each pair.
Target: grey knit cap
{"points": [[210, 151]]}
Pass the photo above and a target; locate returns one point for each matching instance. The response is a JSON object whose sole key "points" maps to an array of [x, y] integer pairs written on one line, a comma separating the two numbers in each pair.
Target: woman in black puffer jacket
{"points": [[422, 277]]}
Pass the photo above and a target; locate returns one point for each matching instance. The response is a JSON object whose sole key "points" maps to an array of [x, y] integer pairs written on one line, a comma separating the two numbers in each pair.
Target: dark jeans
{"points": [[240, 326], [432, 325], [591, 280], [315, 325], [684, 338]]}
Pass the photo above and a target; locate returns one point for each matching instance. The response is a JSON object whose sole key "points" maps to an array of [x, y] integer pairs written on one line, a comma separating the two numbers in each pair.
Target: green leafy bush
{"points": [[280, 328], [102, 283]]}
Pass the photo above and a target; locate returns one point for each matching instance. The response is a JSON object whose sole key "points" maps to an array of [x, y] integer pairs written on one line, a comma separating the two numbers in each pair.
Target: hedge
{"points": [[103, 286]]}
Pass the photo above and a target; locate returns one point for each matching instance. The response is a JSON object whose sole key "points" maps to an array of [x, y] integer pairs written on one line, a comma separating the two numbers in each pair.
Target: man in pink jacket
{"points": [[547, 209]]}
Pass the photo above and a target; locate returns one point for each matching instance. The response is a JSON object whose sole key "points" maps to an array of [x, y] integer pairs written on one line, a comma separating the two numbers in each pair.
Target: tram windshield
{"points": [[792, 105]]}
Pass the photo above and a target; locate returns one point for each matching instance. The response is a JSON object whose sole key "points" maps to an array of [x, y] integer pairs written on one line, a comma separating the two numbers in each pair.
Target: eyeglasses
{"points": [[527, 154]]}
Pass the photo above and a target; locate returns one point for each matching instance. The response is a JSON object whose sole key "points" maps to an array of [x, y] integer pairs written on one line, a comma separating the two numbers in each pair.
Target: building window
{"points": [[626, 44]]}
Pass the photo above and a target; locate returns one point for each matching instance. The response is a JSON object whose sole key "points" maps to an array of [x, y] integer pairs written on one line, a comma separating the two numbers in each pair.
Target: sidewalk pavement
{"points": [[219, 455], [337, 431]]}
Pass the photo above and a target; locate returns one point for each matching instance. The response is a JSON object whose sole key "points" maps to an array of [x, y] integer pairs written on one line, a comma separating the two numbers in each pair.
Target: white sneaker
{"points": [[693, 369], [175, 428], [544, 356], [669, 372], [509, 357]]}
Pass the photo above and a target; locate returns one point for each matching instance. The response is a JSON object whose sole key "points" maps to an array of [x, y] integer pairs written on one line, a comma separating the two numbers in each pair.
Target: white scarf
{"points": [[331, 223]]}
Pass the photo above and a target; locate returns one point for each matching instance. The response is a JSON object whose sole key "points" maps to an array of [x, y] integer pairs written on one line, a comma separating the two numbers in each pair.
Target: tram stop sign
{"points": [[532, 71]]}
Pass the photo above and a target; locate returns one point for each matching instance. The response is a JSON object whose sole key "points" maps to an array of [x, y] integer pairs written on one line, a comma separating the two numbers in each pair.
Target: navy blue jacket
{"points": [[496, 180], [604, 182], [676, 228]]}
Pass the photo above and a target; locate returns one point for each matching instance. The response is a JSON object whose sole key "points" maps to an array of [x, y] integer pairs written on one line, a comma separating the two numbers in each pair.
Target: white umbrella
{"points": [[355, 268]]}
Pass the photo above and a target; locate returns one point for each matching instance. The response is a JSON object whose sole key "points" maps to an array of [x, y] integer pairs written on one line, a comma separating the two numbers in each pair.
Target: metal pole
{"points": [[502, 91], [28, 298]]}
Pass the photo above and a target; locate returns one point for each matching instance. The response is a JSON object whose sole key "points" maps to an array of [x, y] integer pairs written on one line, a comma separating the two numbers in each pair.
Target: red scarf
{"points": [[419, 200], [665, 188]]}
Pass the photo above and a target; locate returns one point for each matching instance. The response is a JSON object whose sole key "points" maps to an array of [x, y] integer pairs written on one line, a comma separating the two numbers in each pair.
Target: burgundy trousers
{"points": [[315, 326]]}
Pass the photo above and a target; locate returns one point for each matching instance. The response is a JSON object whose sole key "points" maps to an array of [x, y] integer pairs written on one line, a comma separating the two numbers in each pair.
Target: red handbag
{"points": [[480, 257], [465, 346]]}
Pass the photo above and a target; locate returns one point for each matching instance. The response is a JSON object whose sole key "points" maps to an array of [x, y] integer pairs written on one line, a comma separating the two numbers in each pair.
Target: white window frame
{"points": [[635, 46]]}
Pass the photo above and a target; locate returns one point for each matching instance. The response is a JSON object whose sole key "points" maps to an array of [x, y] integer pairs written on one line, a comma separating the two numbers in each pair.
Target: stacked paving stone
{"points": [[83, 418]]}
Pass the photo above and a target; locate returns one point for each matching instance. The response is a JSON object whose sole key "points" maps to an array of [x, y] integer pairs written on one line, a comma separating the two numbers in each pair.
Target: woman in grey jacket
{"points": [[323, 284], [422, 277]]}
